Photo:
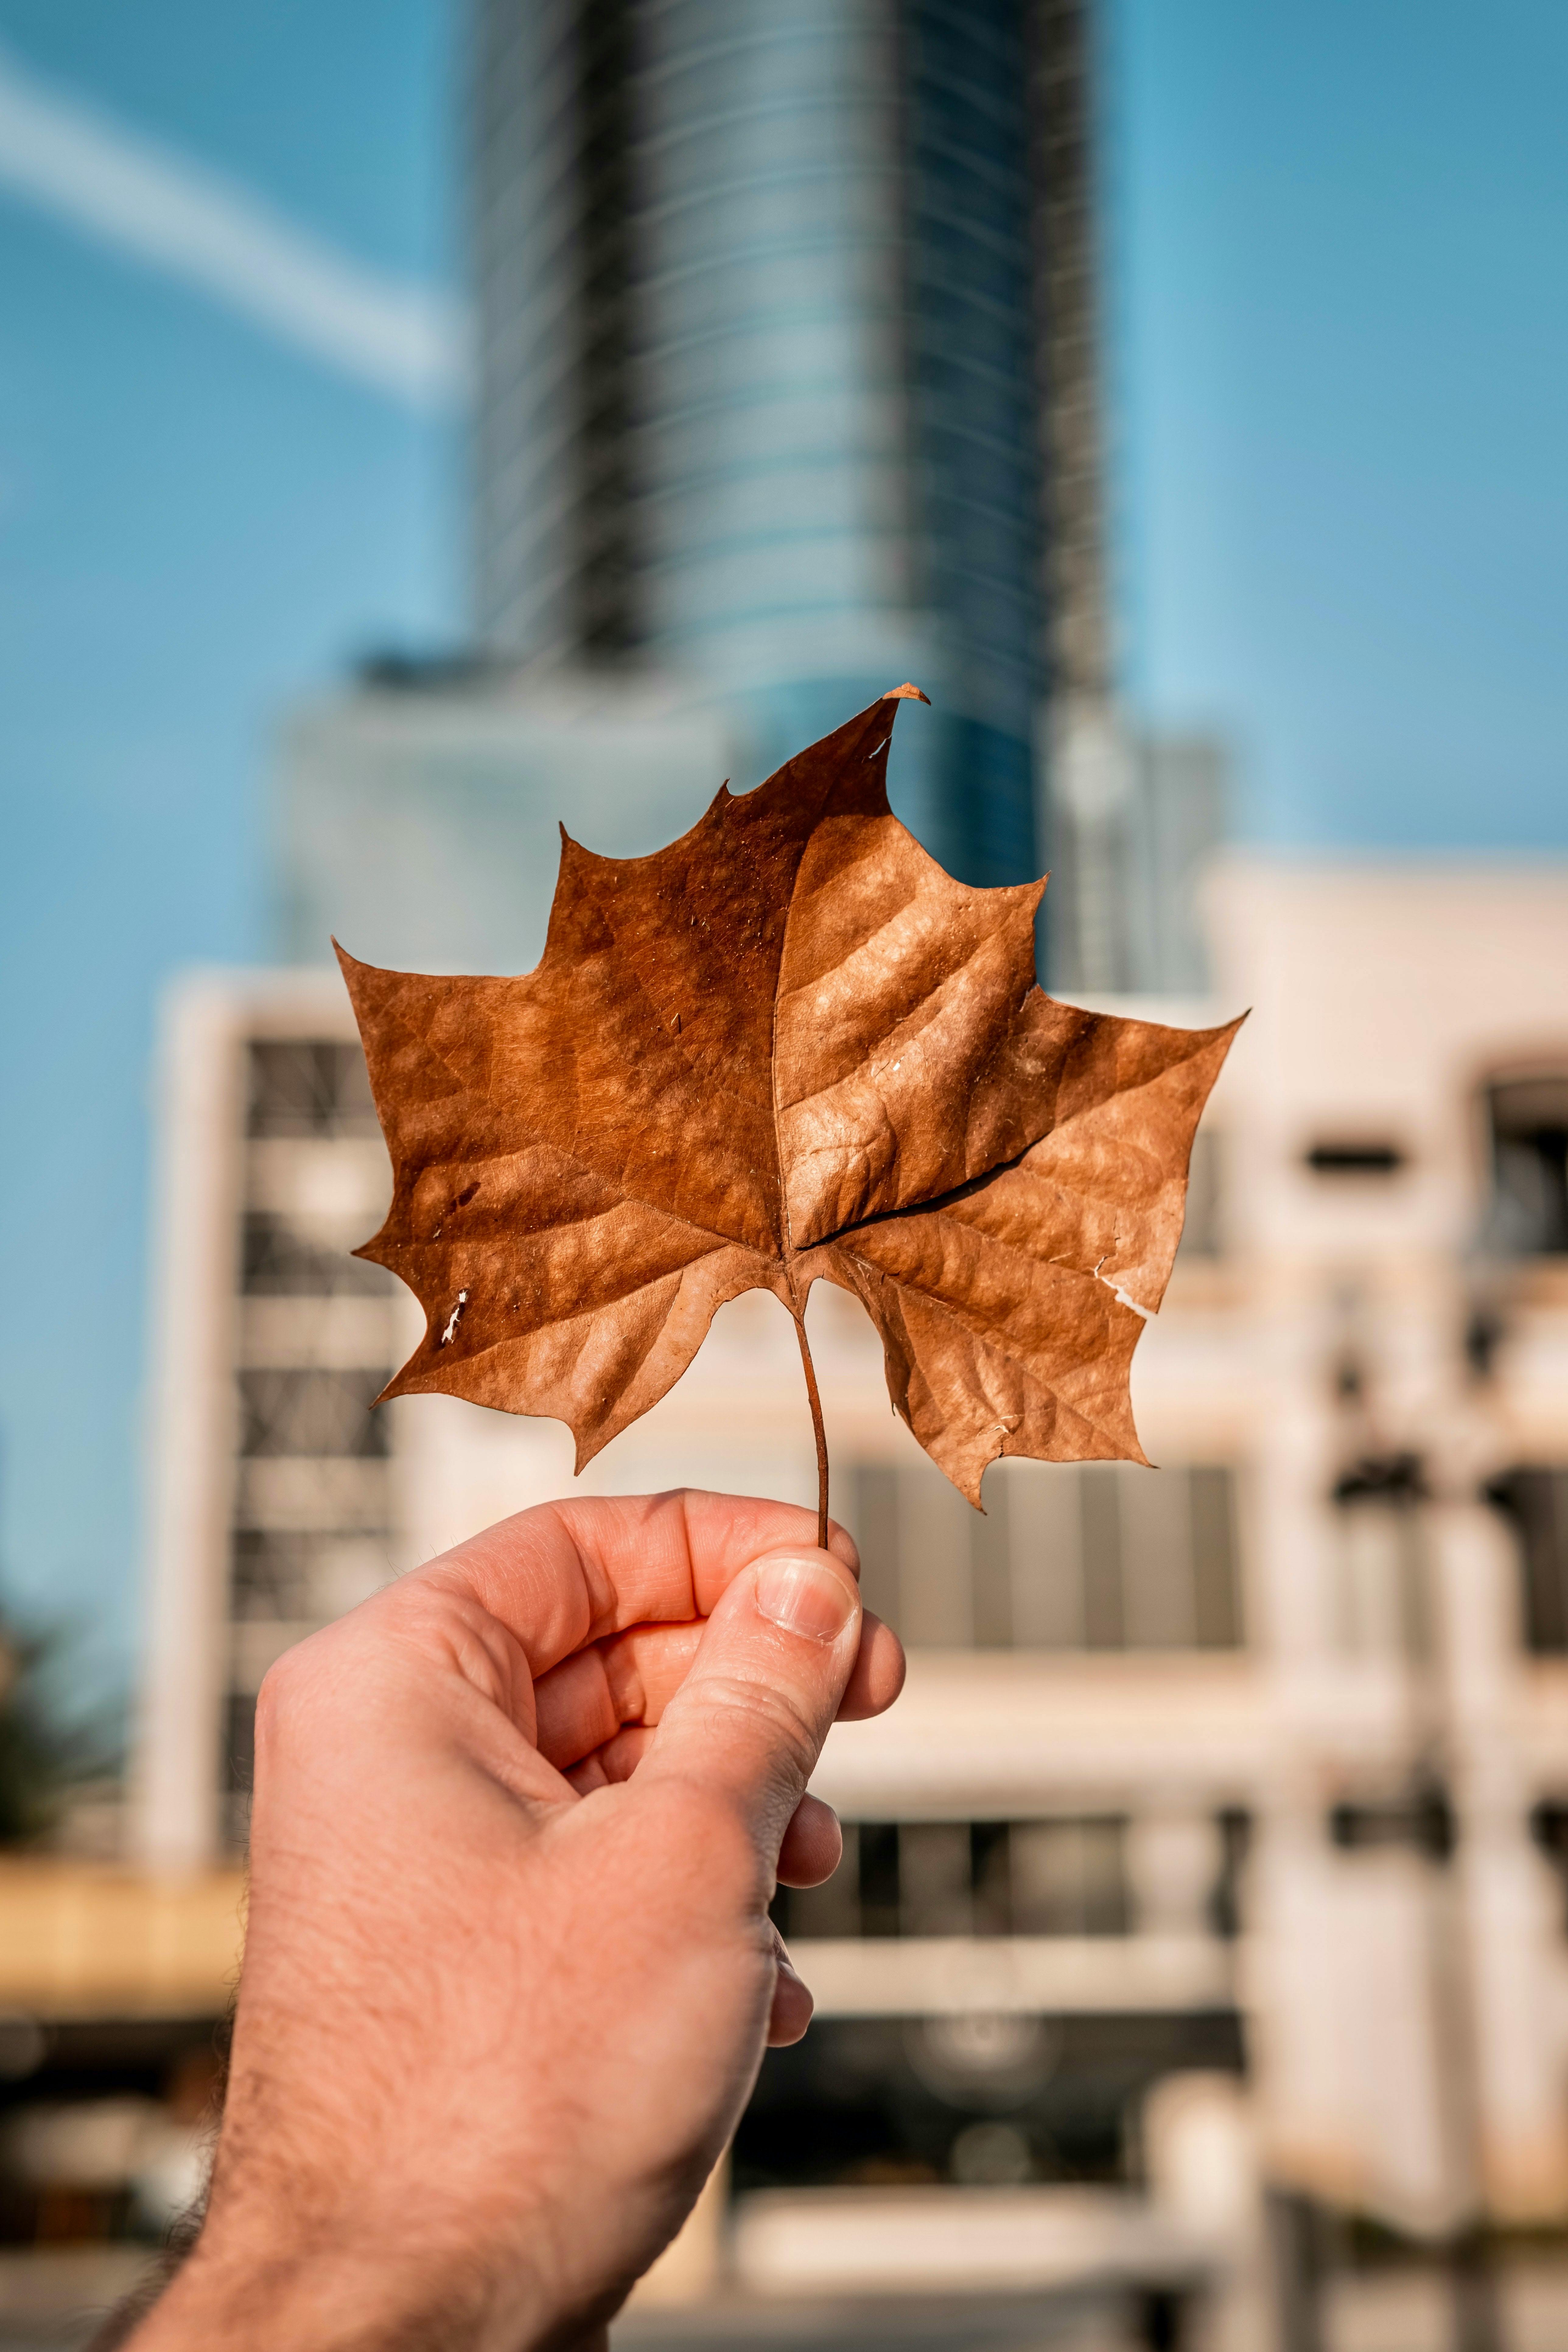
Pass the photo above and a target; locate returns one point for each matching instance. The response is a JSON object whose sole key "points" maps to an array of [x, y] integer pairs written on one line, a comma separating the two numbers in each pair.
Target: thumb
{"points": [[751, 1717]]}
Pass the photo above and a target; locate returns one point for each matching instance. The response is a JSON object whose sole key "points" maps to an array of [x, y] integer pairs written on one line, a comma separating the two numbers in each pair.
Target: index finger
{"points": [[569, 1572]]}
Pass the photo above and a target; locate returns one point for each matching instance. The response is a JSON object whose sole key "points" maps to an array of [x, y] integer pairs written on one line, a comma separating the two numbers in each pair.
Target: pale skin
{"points": [[509, 1973]]}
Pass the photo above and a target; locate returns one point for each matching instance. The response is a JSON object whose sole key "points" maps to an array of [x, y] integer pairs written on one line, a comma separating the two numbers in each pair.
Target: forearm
{"points": [[253, 2299]]}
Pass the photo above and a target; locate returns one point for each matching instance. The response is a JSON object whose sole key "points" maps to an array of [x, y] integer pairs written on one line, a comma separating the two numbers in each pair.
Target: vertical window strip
{"points": [[1096, 1556]]}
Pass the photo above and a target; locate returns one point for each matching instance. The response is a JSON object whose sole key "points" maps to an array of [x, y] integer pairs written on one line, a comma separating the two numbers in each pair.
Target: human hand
{"points": [[508, 1970]]}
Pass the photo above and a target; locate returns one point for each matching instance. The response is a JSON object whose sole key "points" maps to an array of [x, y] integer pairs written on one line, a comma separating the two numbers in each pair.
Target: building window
{"points": [[1100, 1556], [1528, 1124], [1359, 1156], [1549, 1827], [1066, 1877], [281, 1259], [282, 1576], [239, 1751], [308, 1086], [1535, 1501], [313, 1412], [1380, 1581]]}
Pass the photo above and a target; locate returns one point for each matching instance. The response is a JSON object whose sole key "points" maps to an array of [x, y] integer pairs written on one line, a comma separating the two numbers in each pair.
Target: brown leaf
{"points": [[789, 1047]]}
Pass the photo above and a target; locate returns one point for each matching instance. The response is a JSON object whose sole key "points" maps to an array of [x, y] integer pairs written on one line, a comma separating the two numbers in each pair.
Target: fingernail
{"points": [[804, 1597]]}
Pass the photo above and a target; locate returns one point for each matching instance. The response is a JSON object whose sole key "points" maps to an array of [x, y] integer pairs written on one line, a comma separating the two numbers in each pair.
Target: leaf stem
{"points": [[818, 1431]]}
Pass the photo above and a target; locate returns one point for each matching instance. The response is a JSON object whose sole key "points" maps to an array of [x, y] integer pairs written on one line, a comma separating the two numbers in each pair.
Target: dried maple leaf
{"points": [[789, 1047]]}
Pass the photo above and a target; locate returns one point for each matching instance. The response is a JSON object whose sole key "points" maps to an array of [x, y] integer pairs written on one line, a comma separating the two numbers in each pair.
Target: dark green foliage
{"points": [[41, 1758]]}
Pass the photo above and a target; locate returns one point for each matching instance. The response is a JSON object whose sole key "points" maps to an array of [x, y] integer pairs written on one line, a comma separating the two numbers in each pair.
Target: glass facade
{"points": [[773, 427], [974, 400]]}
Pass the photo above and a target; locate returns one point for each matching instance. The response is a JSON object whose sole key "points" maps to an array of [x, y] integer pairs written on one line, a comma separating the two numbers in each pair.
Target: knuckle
{"points": [[289, 1692], [280, 1687], [485, 1655], [276, 1701]]}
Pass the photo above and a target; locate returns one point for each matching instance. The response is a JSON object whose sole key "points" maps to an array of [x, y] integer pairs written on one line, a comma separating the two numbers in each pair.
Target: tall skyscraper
{"points": [[764, 368], [788, 389]]}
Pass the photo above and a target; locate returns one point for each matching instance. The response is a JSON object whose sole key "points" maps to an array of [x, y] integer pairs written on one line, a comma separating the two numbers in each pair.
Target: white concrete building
{"points": [[1258, 1762]]}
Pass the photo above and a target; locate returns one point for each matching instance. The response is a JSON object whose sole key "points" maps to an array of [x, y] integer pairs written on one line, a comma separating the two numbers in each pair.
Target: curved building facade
{"points": [[762, 372]]}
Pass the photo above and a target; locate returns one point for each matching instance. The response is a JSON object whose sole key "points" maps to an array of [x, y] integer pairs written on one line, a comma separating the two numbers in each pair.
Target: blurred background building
{"points": [[1209, 1881], [1245, 1776]]}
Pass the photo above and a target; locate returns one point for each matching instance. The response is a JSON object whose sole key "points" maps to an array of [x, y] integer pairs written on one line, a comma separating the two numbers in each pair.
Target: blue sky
{"points": [[1339, 354], [1342, 351], [197, 521]]}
